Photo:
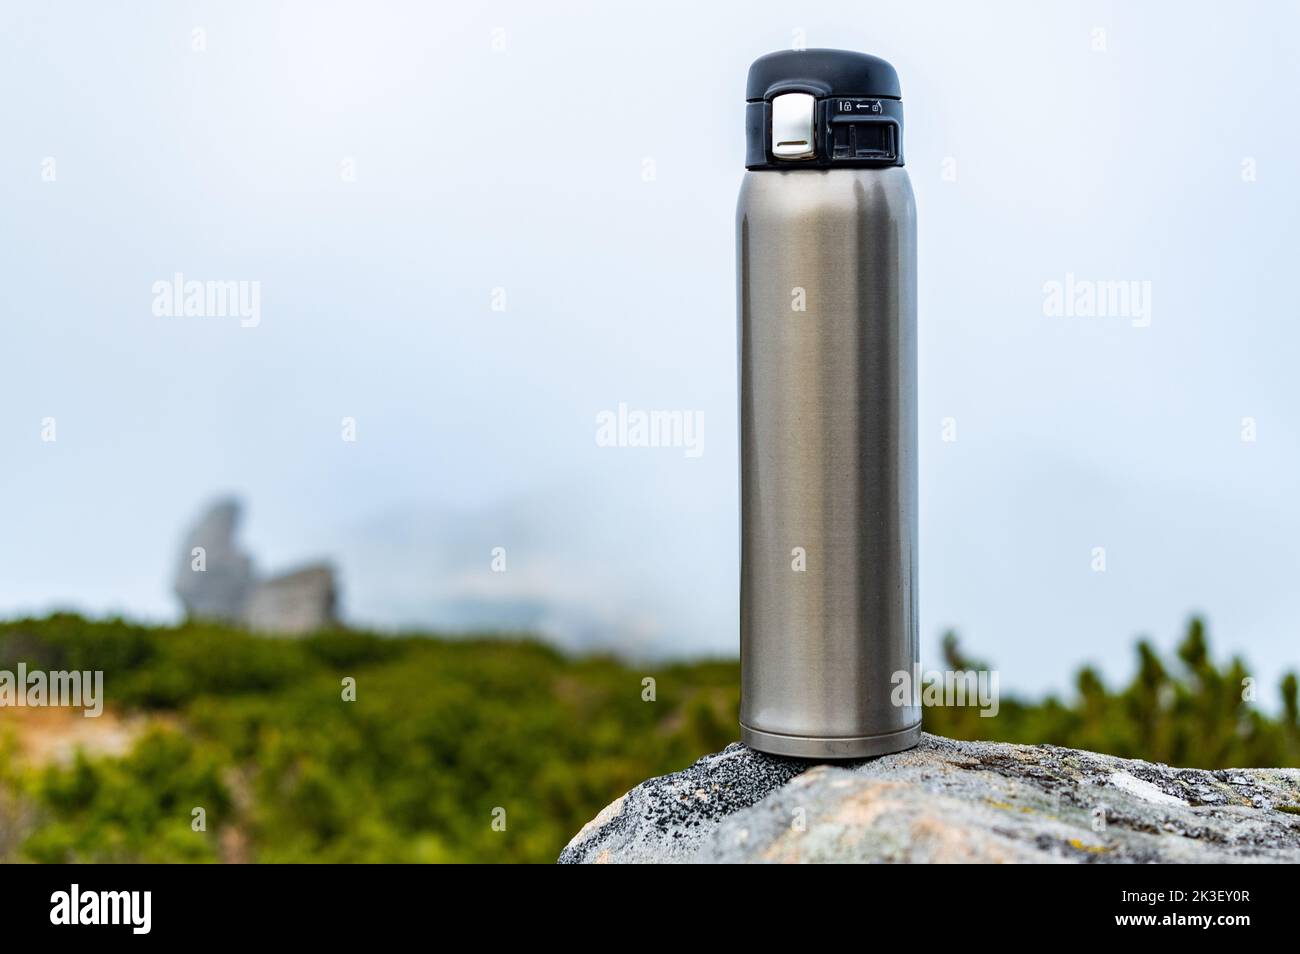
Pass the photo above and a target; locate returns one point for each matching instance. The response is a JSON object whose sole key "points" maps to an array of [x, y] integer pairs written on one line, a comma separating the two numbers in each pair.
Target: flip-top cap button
{"points": [[792, 126]]}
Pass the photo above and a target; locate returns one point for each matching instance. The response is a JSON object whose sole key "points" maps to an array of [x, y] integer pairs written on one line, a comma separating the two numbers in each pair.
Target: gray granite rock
{"points": [[216, 580], [294, 603], [214, 577], [947, 801]]}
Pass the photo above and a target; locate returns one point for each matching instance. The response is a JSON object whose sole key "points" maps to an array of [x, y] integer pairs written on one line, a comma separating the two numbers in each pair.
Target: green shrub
{"points": [[446, 735]]}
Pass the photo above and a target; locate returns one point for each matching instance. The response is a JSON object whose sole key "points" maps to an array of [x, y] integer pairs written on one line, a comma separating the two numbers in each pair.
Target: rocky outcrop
{"points": [[947, 801], [297, 602], [215, 577], [217, 581]]}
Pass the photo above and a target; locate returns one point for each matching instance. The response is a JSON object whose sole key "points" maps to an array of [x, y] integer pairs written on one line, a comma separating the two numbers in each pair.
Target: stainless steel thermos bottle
{"points": [[826, 248]]}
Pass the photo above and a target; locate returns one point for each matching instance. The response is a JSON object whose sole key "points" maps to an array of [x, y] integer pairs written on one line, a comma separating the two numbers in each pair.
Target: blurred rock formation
{"points": [[217, 581], [297, 602]]}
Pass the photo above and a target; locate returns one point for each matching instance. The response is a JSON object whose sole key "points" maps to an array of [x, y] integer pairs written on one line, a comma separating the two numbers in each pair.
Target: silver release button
{"points": [[792, 126]]}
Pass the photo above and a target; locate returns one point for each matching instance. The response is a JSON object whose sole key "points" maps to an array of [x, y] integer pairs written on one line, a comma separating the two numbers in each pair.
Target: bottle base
{"points": [[807, 747]]}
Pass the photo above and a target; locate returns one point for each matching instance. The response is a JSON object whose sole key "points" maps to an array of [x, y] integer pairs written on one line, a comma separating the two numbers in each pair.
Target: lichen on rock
{"points": [[948, 801]]}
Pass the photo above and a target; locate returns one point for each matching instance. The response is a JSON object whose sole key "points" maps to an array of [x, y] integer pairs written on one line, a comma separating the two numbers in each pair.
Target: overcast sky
{"points": [[380, 169]]}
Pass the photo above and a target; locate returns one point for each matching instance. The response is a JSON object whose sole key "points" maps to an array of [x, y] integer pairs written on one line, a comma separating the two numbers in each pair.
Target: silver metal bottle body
{"points": [[828, 461]]}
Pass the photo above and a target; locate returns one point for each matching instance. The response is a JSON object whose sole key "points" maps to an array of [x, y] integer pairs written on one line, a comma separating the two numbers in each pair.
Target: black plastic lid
{"points": [[857, 111], [823, 73]]}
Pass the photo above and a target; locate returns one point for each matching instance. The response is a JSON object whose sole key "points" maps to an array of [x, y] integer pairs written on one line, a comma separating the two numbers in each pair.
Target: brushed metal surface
{"points": [[828, 460]]}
